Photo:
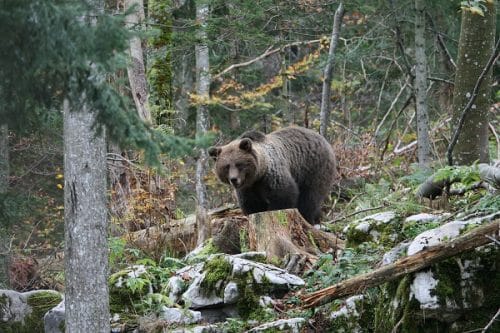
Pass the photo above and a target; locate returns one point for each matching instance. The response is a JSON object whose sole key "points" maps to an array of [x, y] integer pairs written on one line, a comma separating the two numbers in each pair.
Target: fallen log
{"points": [[177, 236], [427, 257], [432, 188], [285, 234]]}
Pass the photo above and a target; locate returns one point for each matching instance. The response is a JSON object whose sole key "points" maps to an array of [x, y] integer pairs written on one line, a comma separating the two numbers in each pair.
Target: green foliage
{"points": [[353, 261], [417, 176], [489, 203], [142, 288], [412, 229], [466, 175], [217, 269], [67, 55]]}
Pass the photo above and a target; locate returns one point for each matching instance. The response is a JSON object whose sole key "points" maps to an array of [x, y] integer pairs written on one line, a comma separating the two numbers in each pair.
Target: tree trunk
{"points": [[406, 265], [475, 46], [4, 186], [284, 233], [85, 217], [423, 143], [327, 74], [135, 69], [202, 120]]}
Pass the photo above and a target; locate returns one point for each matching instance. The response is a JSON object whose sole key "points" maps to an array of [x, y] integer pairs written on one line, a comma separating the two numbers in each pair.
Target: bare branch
{"points": [[267, 53]]}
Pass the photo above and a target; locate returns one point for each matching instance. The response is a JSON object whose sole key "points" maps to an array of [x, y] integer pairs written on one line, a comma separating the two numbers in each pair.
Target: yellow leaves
{"points": [[59, 176], [474, 10], [232, 94]]}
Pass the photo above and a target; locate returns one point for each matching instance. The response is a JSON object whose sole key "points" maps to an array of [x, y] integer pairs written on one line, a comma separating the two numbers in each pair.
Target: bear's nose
{"points": [[234, 180]]}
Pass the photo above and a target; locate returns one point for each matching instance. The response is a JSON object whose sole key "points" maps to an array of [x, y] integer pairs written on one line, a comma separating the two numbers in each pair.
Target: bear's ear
{"points": [[214, 152], [246, 145]]}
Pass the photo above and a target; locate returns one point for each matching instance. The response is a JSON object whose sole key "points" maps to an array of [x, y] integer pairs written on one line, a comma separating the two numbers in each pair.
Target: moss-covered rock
{"points": [[382, 227], [23, 312]]}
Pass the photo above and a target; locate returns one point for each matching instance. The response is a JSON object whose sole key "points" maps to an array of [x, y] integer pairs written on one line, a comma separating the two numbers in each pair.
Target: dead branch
{"points": [[267, 53], [406, 265], [327, 73]]}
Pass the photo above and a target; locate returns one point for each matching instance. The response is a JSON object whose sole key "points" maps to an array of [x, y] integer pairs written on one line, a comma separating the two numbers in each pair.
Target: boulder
{"points": [[24, 312], [54, 319]]}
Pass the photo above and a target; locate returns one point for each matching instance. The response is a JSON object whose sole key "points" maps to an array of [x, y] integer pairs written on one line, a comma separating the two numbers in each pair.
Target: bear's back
{"points": [[307, 155]]}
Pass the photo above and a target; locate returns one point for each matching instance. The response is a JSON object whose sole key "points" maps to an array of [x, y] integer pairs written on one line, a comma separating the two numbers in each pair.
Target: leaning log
{"points": [[406, 265], [285, 234]]}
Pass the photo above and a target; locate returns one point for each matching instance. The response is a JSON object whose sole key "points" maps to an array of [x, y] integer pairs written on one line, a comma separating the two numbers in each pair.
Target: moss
{"points": [[282, 218], [216, 269], [356, 237], [244, 244], [40, 302], [448, 275]]}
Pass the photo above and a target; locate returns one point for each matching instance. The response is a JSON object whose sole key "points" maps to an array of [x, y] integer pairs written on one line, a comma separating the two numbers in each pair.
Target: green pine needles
{"points": [[52, 52]]}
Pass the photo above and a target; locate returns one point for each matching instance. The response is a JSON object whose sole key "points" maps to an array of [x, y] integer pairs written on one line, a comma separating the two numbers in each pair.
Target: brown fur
{"points": [[290, 168]]}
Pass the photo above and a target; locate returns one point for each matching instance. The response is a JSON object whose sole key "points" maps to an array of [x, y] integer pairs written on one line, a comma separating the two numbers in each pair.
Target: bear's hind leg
{"points": [[309, 205]]}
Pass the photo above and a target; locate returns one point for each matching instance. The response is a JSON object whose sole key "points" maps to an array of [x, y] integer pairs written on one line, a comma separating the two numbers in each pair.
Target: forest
{"points": [[225, 166]]}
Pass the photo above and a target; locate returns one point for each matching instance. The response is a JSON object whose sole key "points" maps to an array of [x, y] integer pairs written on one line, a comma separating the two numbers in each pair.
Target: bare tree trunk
{"points": [[423, 143], [475, 47], [327, 76], [86, 228], [202, 120], [4, 186], [136, 70]]}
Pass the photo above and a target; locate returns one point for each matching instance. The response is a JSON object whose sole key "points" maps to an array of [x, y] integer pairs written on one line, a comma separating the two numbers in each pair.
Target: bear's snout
{"points": [[234, 181]]}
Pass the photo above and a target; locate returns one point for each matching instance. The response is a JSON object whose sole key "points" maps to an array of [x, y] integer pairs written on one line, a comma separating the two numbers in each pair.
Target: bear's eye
{"points": [[226, 167], [239, 166]]}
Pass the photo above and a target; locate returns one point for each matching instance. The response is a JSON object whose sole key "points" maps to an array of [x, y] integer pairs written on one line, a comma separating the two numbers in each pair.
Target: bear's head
{"points": [[236, 163]]}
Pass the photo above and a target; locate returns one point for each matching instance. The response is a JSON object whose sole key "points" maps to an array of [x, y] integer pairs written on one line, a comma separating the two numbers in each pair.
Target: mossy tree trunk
{"points": [[475, 47], [4, 186]]}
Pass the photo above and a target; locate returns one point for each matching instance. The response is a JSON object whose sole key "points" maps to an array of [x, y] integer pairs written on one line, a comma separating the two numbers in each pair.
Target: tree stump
{"points": [[286, 236]]}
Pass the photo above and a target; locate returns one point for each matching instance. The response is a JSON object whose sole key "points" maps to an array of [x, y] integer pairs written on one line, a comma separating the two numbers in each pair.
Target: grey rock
{"points": [[178, 316], [422, 217], [231, 293], [292, 325], [198, 298], [15, 308], [54, 319], [395, 253], [380, 218]]}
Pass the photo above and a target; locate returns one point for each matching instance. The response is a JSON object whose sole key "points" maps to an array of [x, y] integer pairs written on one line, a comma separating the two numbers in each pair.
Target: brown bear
{"points": [[290, 168]]}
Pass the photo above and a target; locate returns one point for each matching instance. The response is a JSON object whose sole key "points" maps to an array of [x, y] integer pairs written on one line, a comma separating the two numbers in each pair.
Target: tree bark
{"points": [[4, 186], [135, 69], [285, 233], [476, 42], [423, 142], [327, 74], [202, 120], [406, 265], [86, 228]]}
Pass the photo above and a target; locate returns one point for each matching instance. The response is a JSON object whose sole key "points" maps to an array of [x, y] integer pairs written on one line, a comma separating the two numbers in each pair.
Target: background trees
{"points": [[267, 60]]}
